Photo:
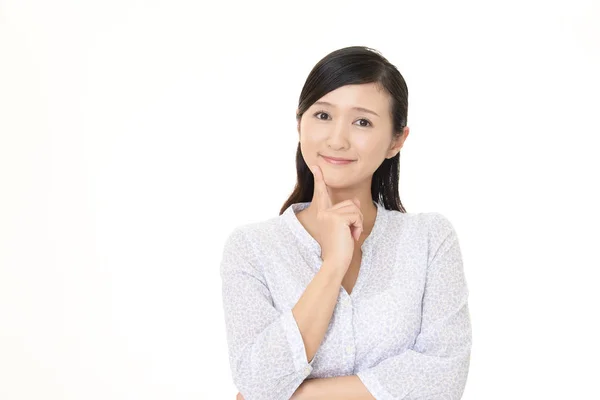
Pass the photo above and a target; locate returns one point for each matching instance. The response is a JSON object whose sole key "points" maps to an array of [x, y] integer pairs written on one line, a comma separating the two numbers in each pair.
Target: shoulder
{"points": [[242, 245], [251, 235], [439, 224], [441, 235], [256, 230], [429, 229], [420, 223]]}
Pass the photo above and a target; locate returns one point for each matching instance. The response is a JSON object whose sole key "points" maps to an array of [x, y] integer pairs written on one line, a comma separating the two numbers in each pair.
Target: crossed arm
{"points": [[337, 388]]}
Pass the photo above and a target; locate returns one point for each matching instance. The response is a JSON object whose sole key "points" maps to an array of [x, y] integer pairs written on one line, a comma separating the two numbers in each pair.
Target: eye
{"points": [[324, 113], [320, 112], [367, 121]]}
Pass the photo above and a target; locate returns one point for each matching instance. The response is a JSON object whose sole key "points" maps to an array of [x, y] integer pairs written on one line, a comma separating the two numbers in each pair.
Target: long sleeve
{"points": [[437, 365], [266, 351]]}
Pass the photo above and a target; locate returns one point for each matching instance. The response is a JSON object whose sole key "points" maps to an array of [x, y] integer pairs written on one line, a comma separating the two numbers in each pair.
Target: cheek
{"points": [[369, 149], [311, 134], [311, 139], [308, 151]]}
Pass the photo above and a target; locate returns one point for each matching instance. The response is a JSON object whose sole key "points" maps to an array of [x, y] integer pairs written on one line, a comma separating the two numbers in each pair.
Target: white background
{"points": [[135, 135]]}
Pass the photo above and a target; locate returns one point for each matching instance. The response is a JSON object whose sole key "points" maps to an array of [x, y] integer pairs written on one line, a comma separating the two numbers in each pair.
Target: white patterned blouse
{"points": [[404, 329]]}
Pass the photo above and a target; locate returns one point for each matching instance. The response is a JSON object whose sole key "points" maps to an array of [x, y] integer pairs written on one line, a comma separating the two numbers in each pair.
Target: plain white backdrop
{"points": [[135, 135]]}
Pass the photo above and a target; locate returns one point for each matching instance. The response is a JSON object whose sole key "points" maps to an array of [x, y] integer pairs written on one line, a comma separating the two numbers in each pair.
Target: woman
{"points": [[345, 295]]}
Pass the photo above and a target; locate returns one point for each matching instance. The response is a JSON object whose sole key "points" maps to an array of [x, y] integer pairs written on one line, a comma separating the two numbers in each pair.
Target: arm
{"points": [[315, 307], [269, 350], [336, 388], [437, 365]]}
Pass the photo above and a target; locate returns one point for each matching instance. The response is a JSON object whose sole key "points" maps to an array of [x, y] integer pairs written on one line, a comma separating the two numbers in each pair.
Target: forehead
{"points": [[368, 95]]}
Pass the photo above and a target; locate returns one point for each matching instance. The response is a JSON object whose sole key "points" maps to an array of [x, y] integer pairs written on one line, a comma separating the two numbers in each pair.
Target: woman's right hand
{"points": [[338, 226]]}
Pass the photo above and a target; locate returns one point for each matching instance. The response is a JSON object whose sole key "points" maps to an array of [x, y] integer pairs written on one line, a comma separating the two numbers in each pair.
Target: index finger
{"points": [[321, 193]]}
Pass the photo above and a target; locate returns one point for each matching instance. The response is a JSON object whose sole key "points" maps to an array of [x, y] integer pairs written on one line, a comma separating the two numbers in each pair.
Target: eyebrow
{"points": [[354, 108]]}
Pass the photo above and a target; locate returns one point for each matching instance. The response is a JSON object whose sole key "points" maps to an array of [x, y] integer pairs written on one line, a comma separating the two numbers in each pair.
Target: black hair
{"points": [[355, 65]]}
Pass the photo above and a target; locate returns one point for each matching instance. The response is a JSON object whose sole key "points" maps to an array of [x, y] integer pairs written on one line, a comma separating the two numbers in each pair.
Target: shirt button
{"points": [[349, 349], [307, 370]]}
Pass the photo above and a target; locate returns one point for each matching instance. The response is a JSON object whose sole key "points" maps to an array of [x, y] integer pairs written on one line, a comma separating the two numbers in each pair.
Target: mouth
{"points": [[337, 161]]}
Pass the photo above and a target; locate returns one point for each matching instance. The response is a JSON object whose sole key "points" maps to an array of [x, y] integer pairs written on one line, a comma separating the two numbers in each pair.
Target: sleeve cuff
{"points": [[295, 342], [371, 382]]}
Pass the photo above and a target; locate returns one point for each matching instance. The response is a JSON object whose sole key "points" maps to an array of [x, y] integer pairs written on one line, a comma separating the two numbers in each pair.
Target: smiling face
{"points": [[352, 122]]}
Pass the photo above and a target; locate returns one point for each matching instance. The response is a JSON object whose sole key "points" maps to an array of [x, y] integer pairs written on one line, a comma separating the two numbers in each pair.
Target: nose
{"points": [[338, 136]]}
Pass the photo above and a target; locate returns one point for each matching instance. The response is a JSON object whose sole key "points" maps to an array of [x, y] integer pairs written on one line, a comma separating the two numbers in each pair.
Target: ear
{"points": [[399, 142]]}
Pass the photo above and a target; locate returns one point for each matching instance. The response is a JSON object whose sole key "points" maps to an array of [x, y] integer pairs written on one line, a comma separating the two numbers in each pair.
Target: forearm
{"points": [[336, 388], [315, 307]]}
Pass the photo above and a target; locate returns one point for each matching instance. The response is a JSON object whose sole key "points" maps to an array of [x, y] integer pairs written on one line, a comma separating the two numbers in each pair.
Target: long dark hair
{"points": [[355, 65]]}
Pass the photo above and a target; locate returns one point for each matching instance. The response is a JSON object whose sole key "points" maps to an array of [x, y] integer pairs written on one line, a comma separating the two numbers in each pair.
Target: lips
{"points": [[337, 161], [336, 158]]}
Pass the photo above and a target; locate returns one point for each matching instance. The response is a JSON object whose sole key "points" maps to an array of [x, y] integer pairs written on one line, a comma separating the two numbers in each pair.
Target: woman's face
{"points": [[341, 129]]}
